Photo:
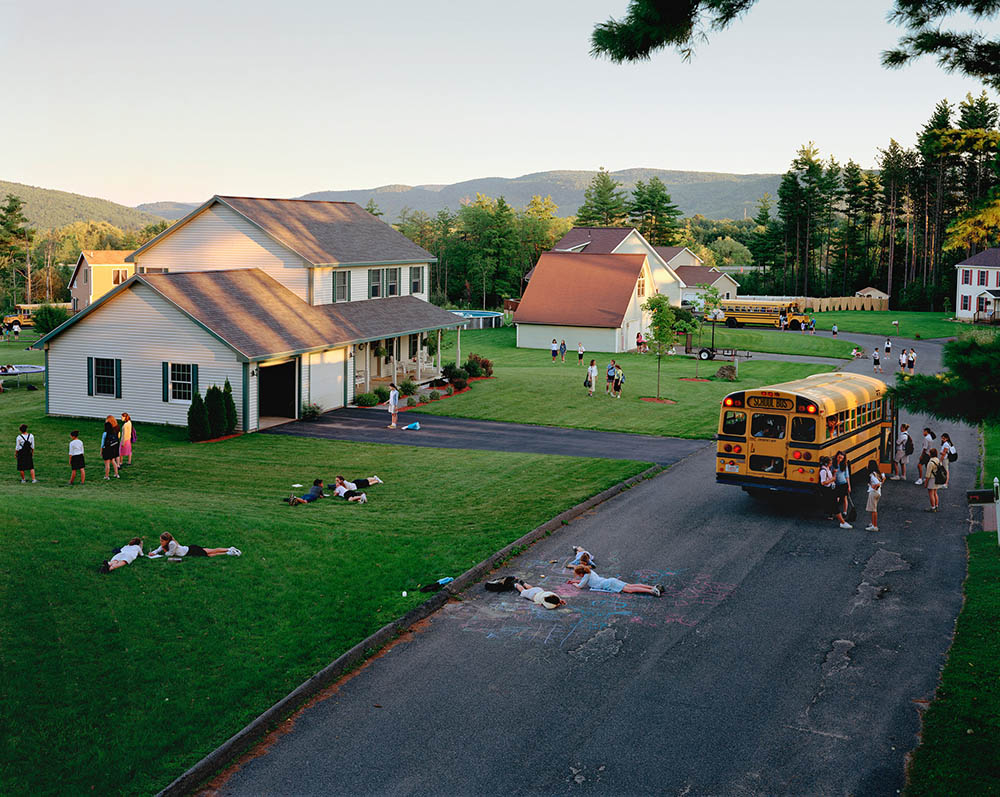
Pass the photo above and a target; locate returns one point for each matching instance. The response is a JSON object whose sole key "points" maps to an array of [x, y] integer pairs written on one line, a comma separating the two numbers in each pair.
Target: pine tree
{"points": [[374, 209], [198, 428], [603, 203], [653, 214], [215, 408], [231, 419]]}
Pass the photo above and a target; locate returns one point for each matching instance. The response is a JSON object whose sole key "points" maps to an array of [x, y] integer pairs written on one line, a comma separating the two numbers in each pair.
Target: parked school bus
{"points": [[747, 311], [772, 438], [24, 314]]}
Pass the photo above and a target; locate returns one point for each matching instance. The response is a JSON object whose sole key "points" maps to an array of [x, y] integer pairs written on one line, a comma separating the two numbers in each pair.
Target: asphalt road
{"points": [[436, 431], [788, 656]]}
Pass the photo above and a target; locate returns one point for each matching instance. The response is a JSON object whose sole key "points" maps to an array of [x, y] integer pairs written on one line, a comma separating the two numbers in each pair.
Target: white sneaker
{"points": [[34, 481], [894, 478], [870, 527], [23, 481], [234, 552], [919, 481], [846, 526], [377, 480], [364, 499]]}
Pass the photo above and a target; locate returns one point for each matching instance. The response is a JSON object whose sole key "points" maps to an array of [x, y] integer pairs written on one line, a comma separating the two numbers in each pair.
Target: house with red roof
{"points": [[593, 299]]}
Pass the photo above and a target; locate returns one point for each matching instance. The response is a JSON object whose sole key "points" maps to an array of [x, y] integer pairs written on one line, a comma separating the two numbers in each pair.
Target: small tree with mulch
{"points": [[198, 428]]}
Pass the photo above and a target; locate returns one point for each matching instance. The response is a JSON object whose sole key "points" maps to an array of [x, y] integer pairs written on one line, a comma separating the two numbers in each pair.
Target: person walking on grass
{"points": [[618, 383], [128, 554], [579, 353], [170, 547], [834, 330], [925, 454], [110, 446], [947, 455], [562, 350], [555, 350], [16, 329], [76, 461], [875, 481], [24, 451], [591, 381], [876, 361], [588, 579], [393, 403], [612, 367], [935, 477], [127, 439], [904, 446]]}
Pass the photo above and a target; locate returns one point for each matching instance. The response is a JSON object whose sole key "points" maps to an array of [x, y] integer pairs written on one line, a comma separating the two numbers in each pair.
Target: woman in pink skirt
{"points": [[127, 438]]}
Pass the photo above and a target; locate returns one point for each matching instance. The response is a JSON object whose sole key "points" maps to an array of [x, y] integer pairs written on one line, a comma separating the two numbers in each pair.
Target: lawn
{"points": [[927, 325], [773, 341], [961, 733], [529, 389], [114, 684]]}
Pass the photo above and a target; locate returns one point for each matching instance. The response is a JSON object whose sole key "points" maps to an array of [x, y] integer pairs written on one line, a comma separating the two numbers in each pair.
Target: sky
{"points": [[138, 102]]}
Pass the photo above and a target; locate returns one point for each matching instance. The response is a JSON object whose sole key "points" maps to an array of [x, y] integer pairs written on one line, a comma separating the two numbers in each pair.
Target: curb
{"points": [[239, 742]]}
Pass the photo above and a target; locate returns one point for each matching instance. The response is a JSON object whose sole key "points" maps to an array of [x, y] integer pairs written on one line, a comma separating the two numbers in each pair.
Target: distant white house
{"points": [[977, 293]]}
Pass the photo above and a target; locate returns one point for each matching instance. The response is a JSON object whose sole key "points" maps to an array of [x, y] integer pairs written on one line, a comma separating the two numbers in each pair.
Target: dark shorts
{"points": [[109, 452], [25, 459], [579, 356], [76, 462], [840, 491], [351, 493], [909, 363], [196, 550], [924, 458], [611, 378], [616, 385], [361, 482]]}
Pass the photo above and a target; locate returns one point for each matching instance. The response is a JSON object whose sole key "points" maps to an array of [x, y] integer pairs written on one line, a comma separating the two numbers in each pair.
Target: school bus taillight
{"points": [[737, 449]]}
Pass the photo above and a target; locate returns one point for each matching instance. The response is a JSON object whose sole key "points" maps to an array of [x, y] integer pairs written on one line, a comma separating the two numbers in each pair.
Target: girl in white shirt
{"points": [[875, 480], [128, 554], [591, 377], [170, 547], [947, 448]]}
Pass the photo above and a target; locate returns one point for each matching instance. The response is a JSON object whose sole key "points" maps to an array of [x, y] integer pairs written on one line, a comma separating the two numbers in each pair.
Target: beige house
{"points": [[693, 276], [295, 302], [872, 293], [98, 272], [594, 299]]}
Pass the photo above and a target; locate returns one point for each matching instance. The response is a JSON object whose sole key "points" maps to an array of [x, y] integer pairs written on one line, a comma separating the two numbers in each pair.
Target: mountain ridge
{"points": [[46, 208]]}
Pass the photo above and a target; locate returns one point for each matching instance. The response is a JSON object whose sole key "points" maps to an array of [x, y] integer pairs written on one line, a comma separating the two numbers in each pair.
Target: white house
{"points": [[692, 276], [585, 298], [288, 299], [977, 294]]}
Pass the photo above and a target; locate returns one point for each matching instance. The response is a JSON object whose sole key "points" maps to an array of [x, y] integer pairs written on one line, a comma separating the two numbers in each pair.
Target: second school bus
{"points": [[747, 311], [772, 438]]}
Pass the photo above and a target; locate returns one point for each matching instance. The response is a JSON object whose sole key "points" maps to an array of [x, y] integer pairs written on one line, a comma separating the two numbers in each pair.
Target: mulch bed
{"points": [[444, 395], [656, 400], [693, 379], [220, 439]]}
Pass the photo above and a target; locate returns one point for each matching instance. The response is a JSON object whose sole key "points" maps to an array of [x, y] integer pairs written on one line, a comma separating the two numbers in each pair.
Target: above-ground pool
{"points": [[481, 319]]}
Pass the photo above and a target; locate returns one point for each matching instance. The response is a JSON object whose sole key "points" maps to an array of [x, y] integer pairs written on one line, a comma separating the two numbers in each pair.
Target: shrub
{"points": [[197, 419], [449, 390], [485, 365], [407, 387], [411, 402], [48, 318], [366, 399], [448, 371], [473, 369], [383, 394], [435, 395], [231, 419], [311, 412], [460, 384], [215, 406]]}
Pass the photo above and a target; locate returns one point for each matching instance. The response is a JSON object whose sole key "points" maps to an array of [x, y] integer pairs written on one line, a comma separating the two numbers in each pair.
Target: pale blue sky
{"points": [[136, 102]]}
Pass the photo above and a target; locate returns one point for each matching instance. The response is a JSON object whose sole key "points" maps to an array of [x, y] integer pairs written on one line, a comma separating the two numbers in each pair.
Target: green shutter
{"points": [[333, 292], [165, 380], [90, 376], [370, 282], [118, 378], [194, 380], [348, 297]]}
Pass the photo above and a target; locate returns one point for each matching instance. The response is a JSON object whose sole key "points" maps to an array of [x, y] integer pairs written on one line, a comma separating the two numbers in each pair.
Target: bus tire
{"points": [[706, 354], [795, 325], [731, 322]]}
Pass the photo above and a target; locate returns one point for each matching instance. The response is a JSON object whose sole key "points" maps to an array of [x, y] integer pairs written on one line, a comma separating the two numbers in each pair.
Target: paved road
{"points": [[787, 657], [436, 431]]}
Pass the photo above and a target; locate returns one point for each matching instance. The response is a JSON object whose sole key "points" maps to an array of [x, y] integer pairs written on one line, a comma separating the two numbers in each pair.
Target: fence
{"points": [[823, 305]]}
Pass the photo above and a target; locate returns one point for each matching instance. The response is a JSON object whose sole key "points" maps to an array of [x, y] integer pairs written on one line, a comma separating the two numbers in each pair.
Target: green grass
{"points": [[773, 341], [530, 389], [927, 325], [114, 684], [961, 734]]}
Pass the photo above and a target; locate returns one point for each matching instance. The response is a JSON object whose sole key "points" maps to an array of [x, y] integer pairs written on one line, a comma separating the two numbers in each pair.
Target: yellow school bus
{"points": [[772, 438], [747, 311], [24, 314]]}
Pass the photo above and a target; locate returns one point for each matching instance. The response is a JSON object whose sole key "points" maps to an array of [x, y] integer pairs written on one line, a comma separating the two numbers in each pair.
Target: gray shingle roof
{"points": [[594, 240]]}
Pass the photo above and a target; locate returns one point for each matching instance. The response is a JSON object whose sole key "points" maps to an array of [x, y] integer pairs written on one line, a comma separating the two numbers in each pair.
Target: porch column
{"points": [[439, 353], [368, 367], [458, 347], [420, 351], [395, 348]]}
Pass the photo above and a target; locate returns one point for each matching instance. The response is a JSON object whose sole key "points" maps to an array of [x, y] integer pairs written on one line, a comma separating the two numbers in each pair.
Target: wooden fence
{"points": [[823, 305]]}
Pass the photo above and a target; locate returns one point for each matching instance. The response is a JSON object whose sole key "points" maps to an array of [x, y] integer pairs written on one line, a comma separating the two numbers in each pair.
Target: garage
{"points": [[276, 392]]}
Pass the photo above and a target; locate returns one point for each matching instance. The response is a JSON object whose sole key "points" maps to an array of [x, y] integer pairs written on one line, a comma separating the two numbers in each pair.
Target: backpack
{"points": [[952, 455], [26, 444], [908, 448], [939, 476], [505, 584]]}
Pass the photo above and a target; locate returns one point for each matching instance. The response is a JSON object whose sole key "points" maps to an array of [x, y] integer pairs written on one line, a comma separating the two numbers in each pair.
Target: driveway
{"points": [[436, 431], [787, 656]]}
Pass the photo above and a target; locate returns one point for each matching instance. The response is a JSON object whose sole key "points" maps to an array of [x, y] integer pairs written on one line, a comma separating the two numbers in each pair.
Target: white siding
{"points": [[251, 401], [663, 278], [359, 282], [594, 339], [350, 380], [219, 238], [143, 331], [327, 378]]}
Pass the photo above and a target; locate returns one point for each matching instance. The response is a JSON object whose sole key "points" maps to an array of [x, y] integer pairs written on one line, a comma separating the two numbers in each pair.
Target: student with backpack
{"points": [[24, 450], [904, 447], [935, 477], [925, 454], [948, 455]]}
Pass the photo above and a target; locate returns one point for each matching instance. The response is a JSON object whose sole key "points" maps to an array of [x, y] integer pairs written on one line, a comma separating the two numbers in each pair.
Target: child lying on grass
{"points": [[314, 494]]}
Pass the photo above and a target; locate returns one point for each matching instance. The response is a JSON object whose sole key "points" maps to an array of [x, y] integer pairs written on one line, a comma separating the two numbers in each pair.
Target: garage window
{"points": [[181, 381], [104, 376]]}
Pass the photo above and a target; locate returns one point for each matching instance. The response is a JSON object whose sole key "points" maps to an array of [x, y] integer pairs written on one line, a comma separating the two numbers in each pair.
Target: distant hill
{"points": [[712, 194], [45, 208]]}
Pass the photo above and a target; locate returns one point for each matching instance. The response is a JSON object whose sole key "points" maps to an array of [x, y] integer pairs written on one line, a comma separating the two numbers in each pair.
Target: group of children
{"points": [[169, 547], [583, 566], [116, 450], [351, 491]]}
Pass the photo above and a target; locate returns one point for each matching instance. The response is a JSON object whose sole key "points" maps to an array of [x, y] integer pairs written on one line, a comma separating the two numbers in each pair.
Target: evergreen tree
{"points": [[215, 408], [198, 428], [230, 403], [374, 209], [603, 203], [653, 214]]}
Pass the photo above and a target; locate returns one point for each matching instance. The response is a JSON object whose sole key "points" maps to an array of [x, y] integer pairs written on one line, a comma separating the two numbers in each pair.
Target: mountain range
{"points": [[46, 208], [712, 194]]}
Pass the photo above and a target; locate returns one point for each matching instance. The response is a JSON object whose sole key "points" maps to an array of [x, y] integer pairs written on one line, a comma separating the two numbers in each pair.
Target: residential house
{"points": [[693, 276], [97, 272], [594, 299], [977, 292], [872, 293], [294, 301]]}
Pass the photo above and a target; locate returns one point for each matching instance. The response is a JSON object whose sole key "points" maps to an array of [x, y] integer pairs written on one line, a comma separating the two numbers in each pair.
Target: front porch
{"points": [[379, 362]]}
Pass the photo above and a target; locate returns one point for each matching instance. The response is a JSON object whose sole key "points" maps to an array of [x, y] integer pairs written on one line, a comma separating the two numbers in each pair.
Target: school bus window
{"points": [[803, 429], [854, 420], [734, 423], [767, 425]]}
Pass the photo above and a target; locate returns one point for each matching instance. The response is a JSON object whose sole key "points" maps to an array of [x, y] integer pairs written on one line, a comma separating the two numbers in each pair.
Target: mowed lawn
{"points": [[911, 324], [115, 684], [528, 388], [772, 341]]}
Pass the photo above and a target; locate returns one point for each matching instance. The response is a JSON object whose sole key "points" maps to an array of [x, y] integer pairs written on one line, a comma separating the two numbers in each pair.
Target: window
{"points": [[980, 303], [983, 277], [734, 423], [341, 286], [392, 282], [75, 304], [374, 283], [181, 382], [118, 275], [804, 429], [966, 276], [965, 302], [640, 286], [104, 376], [767, 464], [416, 279], [153, 270], [768, 425], [85, 276]]}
